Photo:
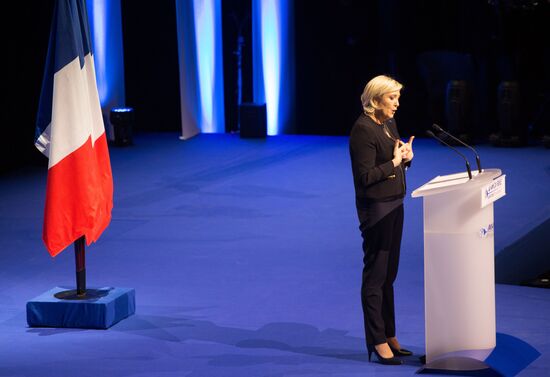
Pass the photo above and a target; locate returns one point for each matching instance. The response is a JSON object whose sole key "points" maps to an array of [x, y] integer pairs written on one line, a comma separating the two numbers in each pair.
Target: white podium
{"points": [[459, 278]]}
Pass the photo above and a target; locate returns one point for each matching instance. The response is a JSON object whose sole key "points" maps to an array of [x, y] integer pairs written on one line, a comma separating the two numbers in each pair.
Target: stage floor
{"points": [[246, 260]]}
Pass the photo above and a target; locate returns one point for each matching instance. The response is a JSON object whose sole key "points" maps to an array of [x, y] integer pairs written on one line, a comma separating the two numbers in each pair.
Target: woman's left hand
{"points": [[408, 150]]}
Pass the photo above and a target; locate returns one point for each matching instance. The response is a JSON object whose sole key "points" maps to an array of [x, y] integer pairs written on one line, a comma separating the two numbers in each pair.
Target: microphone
{"points": [[430, 133], [439, 129]]}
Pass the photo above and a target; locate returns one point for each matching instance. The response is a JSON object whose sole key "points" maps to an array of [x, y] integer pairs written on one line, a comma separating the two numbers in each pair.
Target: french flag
{"points": [[70, 132]]}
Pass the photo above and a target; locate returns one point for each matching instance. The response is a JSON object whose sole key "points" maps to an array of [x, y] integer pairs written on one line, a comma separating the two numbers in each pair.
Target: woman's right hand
{"points": [[397, 153]]}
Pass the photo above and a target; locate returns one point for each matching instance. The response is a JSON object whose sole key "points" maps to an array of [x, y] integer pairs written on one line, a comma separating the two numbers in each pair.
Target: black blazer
{"points": [[371, 150]]}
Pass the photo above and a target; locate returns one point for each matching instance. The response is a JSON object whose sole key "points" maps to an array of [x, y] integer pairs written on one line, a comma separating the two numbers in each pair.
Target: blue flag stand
{"points": [[98, 308]]}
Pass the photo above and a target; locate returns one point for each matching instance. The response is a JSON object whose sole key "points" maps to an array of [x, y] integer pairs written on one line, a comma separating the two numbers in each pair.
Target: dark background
{"points": [[236, 20], [151, 72], [339, 46], [27, 41]]}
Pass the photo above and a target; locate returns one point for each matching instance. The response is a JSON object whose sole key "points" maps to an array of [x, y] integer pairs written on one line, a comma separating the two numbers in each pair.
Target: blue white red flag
{"points": [[70, 132]]}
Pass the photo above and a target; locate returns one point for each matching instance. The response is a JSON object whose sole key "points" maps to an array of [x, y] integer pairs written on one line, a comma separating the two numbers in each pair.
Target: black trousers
{"points": [[381, 247]]}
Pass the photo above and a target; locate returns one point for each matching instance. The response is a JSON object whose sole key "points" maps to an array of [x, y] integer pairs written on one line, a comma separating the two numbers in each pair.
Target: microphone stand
{"points": [[430, 133], [478, 161]]}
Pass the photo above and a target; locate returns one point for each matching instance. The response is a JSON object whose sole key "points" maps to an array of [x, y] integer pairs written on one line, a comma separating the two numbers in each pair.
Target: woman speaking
{"points": [[379, 160]]}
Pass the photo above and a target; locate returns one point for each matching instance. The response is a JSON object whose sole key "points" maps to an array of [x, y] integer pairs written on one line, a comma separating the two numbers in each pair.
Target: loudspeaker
{"points": [[513, 131], [508, 109], [457, 109], [253, 120], [122, 119]]}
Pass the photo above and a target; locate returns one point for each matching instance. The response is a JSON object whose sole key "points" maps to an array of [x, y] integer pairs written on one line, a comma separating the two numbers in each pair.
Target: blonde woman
{"points": [[379, 160]]}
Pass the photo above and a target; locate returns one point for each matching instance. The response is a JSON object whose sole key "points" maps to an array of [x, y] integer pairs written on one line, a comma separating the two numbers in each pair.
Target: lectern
{"points": [[459, 278]]}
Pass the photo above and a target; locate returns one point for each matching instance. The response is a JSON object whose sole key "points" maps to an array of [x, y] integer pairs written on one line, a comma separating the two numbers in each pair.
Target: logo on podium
{"points": [[485, 231]]}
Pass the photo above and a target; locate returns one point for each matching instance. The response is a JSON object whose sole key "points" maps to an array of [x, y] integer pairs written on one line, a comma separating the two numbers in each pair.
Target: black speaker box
{"points": [[253, 120], [122, 120]]}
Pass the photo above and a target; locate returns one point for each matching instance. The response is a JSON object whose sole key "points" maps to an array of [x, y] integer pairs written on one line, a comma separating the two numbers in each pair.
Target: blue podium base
{"points": [[100, 309]]}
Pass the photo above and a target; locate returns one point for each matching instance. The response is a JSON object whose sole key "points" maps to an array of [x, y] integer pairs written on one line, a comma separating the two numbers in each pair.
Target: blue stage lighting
{"points": [[209, 64], [271, 60], [122, 109], [104, 18], [97, 18], [273, 17]]}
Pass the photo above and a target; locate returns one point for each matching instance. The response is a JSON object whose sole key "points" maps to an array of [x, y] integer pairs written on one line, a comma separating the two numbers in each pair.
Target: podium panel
{"points": [[459, 282]]}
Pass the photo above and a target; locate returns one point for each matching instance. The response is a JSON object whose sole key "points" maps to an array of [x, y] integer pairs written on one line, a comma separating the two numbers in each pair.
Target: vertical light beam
{"points": [[99, 31], [208, 44], [271, 61], [105, 20], [273, 64]]}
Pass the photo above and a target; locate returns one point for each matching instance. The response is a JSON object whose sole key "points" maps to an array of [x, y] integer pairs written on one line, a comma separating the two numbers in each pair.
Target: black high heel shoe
{"points": [[383, 360], [401, 351]]}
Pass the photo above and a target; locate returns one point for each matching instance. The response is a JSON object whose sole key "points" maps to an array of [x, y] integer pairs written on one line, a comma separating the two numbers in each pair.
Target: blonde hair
{"points": [[376, 88]]}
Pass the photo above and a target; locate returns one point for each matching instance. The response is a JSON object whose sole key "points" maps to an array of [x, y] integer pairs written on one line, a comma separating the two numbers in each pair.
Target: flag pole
{"points": [[79, 252]]}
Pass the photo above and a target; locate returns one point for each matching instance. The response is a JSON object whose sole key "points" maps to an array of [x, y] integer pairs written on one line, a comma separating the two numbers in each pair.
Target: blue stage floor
{"points": [[246, 260]]}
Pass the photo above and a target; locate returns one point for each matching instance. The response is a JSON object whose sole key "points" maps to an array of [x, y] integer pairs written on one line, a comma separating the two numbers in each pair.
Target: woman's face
{"points": [[387, 105]]}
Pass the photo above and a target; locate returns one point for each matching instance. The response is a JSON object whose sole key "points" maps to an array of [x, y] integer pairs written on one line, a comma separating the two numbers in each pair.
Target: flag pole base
{"points": [[73, 294], [63, 307]]}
